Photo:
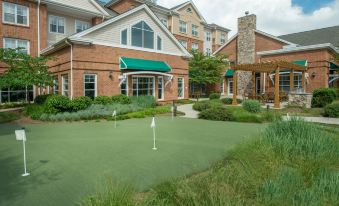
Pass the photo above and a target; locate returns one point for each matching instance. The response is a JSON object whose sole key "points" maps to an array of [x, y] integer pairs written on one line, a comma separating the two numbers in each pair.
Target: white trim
{"points": [[142, 34], [127, 35], [274, 37], [124, 79], [62, 84], [224, 45], [97, 6], [183, 87], [161, 19], [143, 76], [95, 82], [15, 14], [114, 19], [229, 92], [162, 43], [194, 7], [223, 87], [75, 25], [299, 48], [183, 32], [162, 88], [49, 28], [16, 43]]}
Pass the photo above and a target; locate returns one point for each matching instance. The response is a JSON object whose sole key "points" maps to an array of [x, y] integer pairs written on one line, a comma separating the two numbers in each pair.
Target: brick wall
{"points": [[104, 62], [190, 41]]}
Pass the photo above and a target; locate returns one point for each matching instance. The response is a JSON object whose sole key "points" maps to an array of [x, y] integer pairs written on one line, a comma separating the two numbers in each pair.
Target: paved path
{"points": [[324, 120], [188, 110], [11, 109]]}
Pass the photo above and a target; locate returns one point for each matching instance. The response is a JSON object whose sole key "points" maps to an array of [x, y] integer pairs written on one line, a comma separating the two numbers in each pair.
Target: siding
{"points": [[81, 4]]}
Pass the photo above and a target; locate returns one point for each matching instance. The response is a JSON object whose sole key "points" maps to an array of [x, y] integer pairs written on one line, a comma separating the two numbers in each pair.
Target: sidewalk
{"points": [[323, 120], [188, 110], [11, 109]]}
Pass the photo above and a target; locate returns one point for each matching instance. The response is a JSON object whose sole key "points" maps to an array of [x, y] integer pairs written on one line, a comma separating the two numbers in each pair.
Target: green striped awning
{"points": [[229, 73], [298, 62], [143, 65], [333, 66]]}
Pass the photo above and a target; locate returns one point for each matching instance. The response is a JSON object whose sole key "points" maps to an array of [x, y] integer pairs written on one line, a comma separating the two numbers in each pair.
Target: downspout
{"points": [[264, 85], [71, 68], [34, 87]]}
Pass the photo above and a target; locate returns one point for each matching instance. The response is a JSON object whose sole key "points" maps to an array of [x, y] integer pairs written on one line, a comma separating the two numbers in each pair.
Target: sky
{"points": [[276, 17]]}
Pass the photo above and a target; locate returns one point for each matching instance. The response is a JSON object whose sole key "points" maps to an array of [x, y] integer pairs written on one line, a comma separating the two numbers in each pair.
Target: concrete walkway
{"points": [[188, 110], [323, 120], [11, 109]]}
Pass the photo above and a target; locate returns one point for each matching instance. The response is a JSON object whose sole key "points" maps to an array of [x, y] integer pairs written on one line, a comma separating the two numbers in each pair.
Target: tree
{"points": [[205, 69], [24, 70]]}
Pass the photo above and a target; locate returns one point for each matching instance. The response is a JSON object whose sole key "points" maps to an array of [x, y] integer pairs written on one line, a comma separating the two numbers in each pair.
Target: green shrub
{"points": [[8, 116], [57, 103], [214, 96], [323, 97], [203, 105], [80, 103], [331, 110], [144, 101], [252, 106], [217, 114], [121, 99], [12, 105], [230, 100], [103, 100], [34, 111], [41, 99]]}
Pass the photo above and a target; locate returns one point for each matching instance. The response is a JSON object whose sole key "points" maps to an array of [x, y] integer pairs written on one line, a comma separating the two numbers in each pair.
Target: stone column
{"points": [[246, 50]]}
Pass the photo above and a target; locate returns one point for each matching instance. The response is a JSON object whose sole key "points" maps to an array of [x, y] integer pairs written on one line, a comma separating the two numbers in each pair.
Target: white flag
{"points": [[20, 135], [153, 123], [114, 113]]}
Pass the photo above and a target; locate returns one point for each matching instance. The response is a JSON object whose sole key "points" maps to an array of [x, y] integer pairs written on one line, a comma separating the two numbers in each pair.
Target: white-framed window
{"points": [[159, 43], [223, 38], [230, 86], [81, 25], [90, 85], [124, 37], [183, 43], [194, 30], [56, 85], [189, 10], [195, 46], [124, 87], [10, 43], [64, 81], [161, 88], [56, 24], [164, 22], [142, 35], [208, 36], [284, 81], [15, 14], [181, 87], [143, 86], [222, 87], [182, 26], [208, 52]]}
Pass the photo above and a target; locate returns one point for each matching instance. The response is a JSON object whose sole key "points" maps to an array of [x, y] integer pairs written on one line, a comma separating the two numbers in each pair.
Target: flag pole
{"points": [[24, 148], [153, 127]]}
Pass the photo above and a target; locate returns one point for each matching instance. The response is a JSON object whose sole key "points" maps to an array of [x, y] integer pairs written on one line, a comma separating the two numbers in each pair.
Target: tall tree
{"points": [[205, 69], [24, 70]]}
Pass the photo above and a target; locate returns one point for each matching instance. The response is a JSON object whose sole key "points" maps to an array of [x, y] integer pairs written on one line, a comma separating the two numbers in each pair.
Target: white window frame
{"points": [[183, 43], [162, 88], [181, 28], [15, 14], [95, 86], [49, 24], [63, 90], [143, 43], [16, 43], [56, 82], [197, 48], [126, 82], [195, 30], [222, 87], [222, 38], [143, 76], [208, 36], [229, 92], [183, 87], [163, 22], [156, 43], [82, 22], [127, 40], [208, 52]]}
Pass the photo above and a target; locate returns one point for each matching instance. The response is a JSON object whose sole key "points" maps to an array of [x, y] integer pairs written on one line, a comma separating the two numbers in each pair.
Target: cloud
{"points": [[273, 16]]}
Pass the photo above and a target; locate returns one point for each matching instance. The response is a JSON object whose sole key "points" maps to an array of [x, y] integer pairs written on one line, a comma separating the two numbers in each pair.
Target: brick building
{"points": [[250, 46]]}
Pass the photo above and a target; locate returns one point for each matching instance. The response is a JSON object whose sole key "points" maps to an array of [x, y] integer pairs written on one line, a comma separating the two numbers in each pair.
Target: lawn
{"points": [[68, 161]]}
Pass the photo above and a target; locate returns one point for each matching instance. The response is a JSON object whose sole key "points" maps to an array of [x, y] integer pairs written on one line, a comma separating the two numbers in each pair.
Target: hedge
{"points": [[252, 106], [217, 114], [214, 96], [323, 97], [332, 110]]}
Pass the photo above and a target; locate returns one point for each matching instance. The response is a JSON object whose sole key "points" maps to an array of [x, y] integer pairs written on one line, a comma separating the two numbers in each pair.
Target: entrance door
{"points": [[230, 86], [257, 85]]}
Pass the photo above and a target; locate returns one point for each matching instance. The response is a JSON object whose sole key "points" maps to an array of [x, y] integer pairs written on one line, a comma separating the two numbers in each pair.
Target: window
{"points": [[180, 88], [159, 43], [164, 22], [124, 87], [230, 86], [208, 52], [56, 85], [124, 37], [208, 36], [10, 43], [189, 9], [195, 46], [142, 35], [64, 79], [183, 43], [223, 38], [56, 24], [182, 27], [284, 82], [15, 14], [143, 86], [161, 88], [194, 30], [16, 94], [222, 87], [90, 85], [81, 25]]}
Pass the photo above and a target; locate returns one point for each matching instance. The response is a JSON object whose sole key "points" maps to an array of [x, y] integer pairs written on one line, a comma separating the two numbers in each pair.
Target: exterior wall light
{"points": [[110, 75]]}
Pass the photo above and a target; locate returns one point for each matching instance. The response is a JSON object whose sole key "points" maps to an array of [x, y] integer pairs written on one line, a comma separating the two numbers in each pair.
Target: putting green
{"points": [[68, 161]]}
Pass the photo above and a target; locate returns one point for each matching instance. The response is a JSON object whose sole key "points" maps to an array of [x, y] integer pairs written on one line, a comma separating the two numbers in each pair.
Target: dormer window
{"points": [[142, 35], [189, 9]]}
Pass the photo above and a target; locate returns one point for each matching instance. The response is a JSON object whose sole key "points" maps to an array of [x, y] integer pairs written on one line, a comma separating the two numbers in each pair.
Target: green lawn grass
{"points": [[68, 161]]}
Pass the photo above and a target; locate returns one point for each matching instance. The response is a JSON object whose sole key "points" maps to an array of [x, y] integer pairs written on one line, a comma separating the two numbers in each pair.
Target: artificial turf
{"points": [[68, 161]]}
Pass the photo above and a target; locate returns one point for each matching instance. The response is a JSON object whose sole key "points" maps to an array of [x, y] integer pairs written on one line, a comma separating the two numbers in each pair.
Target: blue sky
{"points": [[310, 6]]}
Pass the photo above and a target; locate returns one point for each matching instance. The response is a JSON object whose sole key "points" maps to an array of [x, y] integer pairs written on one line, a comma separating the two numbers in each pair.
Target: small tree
{"points": [[24, 70], [205, 69]]}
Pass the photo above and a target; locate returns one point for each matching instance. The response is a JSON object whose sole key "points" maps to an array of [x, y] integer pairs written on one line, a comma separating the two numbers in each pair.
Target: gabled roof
{"points": [[317, 36], [178, 7], [109, 11], [77, 37], [259, 32]]}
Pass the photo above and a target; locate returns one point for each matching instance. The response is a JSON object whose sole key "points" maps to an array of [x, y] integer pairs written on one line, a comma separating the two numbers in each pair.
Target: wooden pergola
{"points": [[268, 67]]}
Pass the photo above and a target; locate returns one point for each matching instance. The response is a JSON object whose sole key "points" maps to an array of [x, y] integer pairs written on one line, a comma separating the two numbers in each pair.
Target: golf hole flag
{"points": [[20, 135], [153, 127], [115, 118]]}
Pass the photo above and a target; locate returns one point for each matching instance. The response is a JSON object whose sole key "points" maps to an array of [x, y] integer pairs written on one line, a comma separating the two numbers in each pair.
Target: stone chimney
{"points": [[246, 50]]}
